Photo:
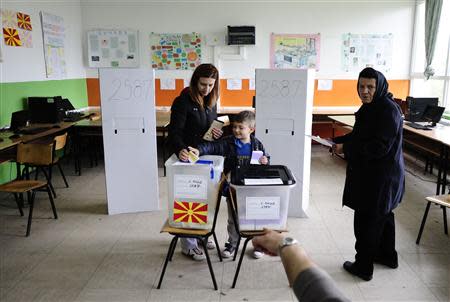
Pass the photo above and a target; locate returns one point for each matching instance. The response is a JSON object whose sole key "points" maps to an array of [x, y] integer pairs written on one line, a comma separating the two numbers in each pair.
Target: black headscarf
{"points": [[382, 86]]}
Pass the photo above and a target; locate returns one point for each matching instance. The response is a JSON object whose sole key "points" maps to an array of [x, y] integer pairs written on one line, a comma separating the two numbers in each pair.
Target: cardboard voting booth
{"points": [[262, 196], [192, 191]]}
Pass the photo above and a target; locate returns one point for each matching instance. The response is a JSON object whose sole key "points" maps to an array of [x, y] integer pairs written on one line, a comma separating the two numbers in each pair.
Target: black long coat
{"points": [[375, 178], [188, 122]]}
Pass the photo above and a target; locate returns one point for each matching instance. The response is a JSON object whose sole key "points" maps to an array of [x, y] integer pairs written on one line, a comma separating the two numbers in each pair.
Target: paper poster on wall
{"points": [[175, 51], [53, 39], [17, 28], [113, 48], [167, 84], [366, 50], [267, 207], [301, 51], [234, 84], [190, 186], [251, 84]]}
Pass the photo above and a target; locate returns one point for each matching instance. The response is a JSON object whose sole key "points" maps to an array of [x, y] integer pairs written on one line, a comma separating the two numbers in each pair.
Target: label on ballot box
{"points": [[262, 207]]}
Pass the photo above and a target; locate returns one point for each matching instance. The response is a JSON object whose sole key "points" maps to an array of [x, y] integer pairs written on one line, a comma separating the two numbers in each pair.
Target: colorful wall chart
{"points": [[53, 38], [113, 48], [175, 51], [366, 50], [295, 51], [16, 28]]}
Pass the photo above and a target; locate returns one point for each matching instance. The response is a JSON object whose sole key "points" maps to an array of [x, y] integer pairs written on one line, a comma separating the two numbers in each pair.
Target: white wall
{"points": [[21, 64], [329, 18]]}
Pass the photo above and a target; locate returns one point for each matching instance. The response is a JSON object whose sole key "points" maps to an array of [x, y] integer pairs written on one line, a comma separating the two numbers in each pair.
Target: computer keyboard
{"points": [[417, 126]]}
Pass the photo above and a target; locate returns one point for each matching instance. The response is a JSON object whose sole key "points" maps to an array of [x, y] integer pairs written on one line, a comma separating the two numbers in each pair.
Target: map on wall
{"points": [[53, 37], [175, 51], [295, 51], [16, 28], [366, 50], [113, 48]]}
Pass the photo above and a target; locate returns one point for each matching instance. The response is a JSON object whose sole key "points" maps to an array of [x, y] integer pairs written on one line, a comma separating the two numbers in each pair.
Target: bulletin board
{"points": [[113, 48]]}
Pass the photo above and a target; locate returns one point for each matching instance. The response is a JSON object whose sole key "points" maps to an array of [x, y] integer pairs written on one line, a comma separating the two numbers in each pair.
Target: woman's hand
{"points": [[263, 160], [183, 155], [338, 149], [195, 151], [217, 133]]}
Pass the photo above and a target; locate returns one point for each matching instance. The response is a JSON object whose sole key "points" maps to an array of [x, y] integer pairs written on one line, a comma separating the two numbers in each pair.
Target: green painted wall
{"points": [[13, 97]]}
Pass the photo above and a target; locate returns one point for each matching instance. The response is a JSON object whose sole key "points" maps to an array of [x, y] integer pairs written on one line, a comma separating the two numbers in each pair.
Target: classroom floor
{"points": [[87, 255]]}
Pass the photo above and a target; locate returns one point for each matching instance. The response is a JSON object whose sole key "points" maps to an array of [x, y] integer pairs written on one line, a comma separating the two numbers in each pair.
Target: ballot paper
{"points": [[256, 155], [322, 141]]}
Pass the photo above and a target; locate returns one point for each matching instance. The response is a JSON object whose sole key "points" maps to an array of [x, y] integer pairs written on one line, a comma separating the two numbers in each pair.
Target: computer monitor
{"points": [[19, 120], [43, 110], [416, 107], [433, 114]]}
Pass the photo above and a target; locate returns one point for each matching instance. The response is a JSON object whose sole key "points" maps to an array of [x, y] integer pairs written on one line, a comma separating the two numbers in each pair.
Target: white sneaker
{"points": [[210, 245], [195, 253], [257, 254], [229, 251]]}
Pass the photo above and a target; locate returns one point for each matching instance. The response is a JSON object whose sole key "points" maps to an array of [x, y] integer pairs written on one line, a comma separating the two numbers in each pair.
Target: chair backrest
{"points": [[35, 154], [60, 141]]}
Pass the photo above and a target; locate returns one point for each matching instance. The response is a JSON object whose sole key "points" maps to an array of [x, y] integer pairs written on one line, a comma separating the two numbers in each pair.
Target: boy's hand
{"points": [[216, 133], [195, 151], [263, 160]]}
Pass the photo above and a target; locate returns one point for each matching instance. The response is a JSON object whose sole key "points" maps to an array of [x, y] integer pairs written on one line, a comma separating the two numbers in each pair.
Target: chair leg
{"points": [[424, 219], [173, 248], [217, 246], [172, 243], [237, 248], [52, 203], [18, 204], [62, 174], [205, 249], [49, 181], [30, 213], [444, 213], [240, 262]]}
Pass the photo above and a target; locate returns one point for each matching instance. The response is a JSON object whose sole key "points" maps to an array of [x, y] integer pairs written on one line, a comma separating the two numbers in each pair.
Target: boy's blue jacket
{"points": [[227, 148]]}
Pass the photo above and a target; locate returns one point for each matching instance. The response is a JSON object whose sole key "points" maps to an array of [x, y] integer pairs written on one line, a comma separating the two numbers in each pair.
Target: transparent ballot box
{"points": [[192, 191], [262, 196]]}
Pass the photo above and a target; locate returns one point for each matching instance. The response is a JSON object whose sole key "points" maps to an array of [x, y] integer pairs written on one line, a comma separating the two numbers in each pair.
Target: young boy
{"points": [[237, 149]]}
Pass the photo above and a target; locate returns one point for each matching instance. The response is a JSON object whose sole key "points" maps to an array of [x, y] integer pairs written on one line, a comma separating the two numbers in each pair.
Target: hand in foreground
{"points": [[263, 160], [269, 242], [183, 155], [216, 133]]}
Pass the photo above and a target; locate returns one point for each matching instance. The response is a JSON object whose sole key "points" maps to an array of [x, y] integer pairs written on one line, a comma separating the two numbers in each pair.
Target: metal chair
{"points": [[30, 153], [201, 235], [444, 202]]}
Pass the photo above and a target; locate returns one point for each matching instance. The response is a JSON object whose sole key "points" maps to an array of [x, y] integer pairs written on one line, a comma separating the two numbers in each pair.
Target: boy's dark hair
{"points": [[247, 117]]}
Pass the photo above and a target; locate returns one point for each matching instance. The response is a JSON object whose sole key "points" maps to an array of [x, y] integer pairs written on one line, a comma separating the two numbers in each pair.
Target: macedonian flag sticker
{"points": [[11, 36], [191, 212]]}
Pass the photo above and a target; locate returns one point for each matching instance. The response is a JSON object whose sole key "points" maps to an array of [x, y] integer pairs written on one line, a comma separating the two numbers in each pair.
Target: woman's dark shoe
{"points": [[388, 263], [353, 269]]}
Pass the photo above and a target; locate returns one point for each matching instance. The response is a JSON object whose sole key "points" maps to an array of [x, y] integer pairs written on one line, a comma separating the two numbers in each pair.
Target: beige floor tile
{"points": [[182, 295], [441, 293], [113, 295], [240, 294], [36, 294]]}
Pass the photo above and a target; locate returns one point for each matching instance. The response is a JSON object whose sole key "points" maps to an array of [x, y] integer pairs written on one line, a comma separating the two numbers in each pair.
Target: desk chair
{"points": [[248, 235], [26, 153], [201, 235], [444, 202]]}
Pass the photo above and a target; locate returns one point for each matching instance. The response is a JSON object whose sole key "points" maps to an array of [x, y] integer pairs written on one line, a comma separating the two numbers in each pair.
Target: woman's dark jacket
{"points": [[226, 147], [188, 122], [375, 179]]}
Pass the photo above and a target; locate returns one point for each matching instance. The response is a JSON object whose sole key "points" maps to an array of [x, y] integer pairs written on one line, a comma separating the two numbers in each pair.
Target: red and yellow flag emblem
{"points": [[191, 212], [11, 36], [24, 21]]}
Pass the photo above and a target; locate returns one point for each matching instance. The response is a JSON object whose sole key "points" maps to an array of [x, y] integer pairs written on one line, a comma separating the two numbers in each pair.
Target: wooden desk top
{"points": [[348, 120]]}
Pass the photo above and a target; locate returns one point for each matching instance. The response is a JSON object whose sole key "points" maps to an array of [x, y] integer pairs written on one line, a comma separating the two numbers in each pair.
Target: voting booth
{"points": [[262, 197], [192, 191], [284, 99]]}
